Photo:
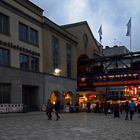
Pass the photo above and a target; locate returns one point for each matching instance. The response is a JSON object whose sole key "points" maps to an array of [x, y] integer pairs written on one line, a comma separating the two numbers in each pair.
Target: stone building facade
{"points": [[38, 58]]}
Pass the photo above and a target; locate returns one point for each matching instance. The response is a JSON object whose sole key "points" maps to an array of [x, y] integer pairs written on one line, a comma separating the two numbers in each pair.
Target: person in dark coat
{"points": [[88, 107], [116, 111], [126, 107], [57, 107], [97, 107], [106, 108], [49, 108]]}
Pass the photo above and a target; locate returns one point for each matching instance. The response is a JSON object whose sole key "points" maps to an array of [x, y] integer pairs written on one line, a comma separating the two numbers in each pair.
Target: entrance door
{"points": [[29, 97]]}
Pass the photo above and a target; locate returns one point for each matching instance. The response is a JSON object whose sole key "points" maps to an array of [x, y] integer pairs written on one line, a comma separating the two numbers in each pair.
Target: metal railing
{"points": [[11, 108]]}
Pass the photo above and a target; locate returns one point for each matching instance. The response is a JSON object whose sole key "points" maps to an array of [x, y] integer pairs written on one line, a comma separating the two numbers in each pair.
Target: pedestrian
{"points": [[121, 108], [105, 108], [97, 108], [88, 107], [57, 109], [132, 108], [126, 107], [116, 111], [49, 108], [138, 107], [76, 107]]}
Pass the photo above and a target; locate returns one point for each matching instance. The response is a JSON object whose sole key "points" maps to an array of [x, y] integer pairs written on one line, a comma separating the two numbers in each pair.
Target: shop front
{"points": [[86, 97], [132, 93], [65, 98]]}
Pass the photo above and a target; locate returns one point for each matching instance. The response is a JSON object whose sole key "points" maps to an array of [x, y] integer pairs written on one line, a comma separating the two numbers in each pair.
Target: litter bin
{"points": [[25, 109]]}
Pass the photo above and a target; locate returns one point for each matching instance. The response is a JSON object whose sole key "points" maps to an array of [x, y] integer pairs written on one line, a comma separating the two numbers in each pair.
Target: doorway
{"points": [[29, 97]]}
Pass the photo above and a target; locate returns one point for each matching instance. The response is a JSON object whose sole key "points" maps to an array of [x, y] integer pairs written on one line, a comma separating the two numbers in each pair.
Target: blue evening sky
{"points": [[112, 14]]}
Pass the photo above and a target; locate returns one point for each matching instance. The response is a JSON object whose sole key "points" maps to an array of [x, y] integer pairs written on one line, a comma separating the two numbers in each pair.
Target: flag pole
{"points": [[131, 43], [131, 36]]}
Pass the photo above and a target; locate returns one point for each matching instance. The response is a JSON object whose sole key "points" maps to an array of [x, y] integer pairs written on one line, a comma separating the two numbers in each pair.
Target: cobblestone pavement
{"points": [[71, 126]]}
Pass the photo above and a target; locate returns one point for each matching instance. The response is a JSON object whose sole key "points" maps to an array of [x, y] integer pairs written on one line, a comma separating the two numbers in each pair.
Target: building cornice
{"points": [[48, 24], [30, 6], [19, 13]]}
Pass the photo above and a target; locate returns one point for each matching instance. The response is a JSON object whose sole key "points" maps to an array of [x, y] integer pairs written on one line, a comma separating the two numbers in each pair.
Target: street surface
{"points": [[71, 126]]}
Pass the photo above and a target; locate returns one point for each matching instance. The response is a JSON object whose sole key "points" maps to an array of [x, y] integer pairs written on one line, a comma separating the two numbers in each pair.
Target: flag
{"points": [[100, 33], [128, 28]]}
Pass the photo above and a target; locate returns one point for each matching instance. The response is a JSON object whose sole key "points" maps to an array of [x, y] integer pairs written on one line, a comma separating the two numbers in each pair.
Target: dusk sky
{"points": [[112, 14]]}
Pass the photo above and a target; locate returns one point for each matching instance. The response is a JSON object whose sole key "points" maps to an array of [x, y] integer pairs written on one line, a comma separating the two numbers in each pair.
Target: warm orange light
{"points": [[135, 90], [91, 96], [83, 79], [134, 99]]}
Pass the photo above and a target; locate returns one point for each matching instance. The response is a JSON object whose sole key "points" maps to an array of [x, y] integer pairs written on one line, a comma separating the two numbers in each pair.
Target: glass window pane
{"points": [[4, 57], [23, 32], [34, 64], [69, 53], [4, 24], [33, 36], [24, 61], [0, 23], [55, 52]]}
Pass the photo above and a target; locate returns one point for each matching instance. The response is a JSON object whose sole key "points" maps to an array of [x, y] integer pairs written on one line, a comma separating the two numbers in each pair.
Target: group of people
{"points": [[128, 107], [116, 108], [50, 107]]}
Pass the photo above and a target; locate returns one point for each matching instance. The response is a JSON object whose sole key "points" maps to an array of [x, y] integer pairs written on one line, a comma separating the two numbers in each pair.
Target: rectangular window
{"points": [[28, 34], [55, 52], [24, 61], [29, 62], [4, 24], [33, 36], [69, 57], [5, 95], [34, 64], [23, 32], [4, 57]]}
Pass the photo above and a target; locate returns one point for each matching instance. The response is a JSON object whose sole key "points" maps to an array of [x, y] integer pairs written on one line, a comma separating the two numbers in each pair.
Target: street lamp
{"points": [[57, 72]]}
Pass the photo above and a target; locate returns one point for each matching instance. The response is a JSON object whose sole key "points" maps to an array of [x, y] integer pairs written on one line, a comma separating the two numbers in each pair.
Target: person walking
{"points": [[126, 107], [132, 107], [116, 111], [88, 107], [105, 108], [49, 108], [57, 109]]}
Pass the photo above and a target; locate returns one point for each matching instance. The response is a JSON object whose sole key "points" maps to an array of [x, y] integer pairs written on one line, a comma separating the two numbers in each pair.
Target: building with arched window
{"points": [[38, 58]]}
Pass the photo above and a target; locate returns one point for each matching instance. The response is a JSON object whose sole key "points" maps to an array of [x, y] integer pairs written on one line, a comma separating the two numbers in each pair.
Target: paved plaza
{"points": [[71, 126]]}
